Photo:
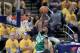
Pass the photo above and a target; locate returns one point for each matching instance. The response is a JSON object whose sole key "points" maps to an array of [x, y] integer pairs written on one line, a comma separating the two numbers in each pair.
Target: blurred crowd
{"points": [[37, 31]]}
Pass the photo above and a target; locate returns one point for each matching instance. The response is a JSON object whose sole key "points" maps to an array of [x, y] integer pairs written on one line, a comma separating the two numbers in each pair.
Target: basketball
{"points": [[43, 9]]}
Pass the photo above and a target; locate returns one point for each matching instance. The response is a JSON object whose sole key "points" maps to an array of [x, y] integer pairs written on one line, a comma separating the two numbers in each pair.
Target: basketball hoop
{"points": [[7, 13]]}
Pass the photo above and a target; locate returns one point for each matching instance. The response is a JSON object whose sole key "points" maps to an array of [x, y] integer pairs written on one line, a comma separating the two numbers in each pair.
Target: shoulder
{"points": [[22, 40], [8, 41], [16, 40]]}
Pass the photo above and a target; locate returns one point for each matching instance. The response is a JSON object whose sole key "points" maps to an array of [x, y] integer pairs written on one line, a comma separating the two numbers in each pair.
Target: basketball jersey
{"points": [[40, 42]]}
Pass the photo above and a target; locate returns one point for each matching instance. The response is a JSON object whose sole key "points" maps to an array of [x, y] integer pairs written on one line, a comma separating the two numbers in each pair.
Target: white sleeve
{"points": [[78, 50]]}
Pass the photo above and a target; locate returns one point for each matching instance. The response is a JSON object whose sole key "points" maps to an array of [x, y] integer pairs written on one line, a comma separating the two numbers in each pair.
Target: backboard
{"points": [[10, 12]]}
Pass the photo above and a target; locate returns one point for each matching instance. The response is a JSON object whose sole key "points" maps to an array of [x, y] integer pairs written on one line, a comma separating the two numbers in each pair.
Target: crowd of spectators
{"points": [[37, 31]]}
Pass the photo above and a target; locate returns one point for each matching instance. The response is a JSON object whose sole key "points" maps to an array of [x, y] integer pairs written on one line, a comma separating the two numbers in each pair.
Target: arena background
{"points": [[66, 32]]}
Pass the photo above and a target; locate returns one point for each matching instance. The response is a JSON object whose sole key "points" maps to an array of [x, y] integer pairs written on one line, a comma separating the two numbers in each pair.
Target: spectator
{"points": [[71, 17], [27, 22], [66, 4], [75, 7], [75, 36], [5, 32], [30, 23], [22, 4], [65, 11], [23, 27], [12, 44], [26, 44], [55, 21], [1, 30], [1, 37]]}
